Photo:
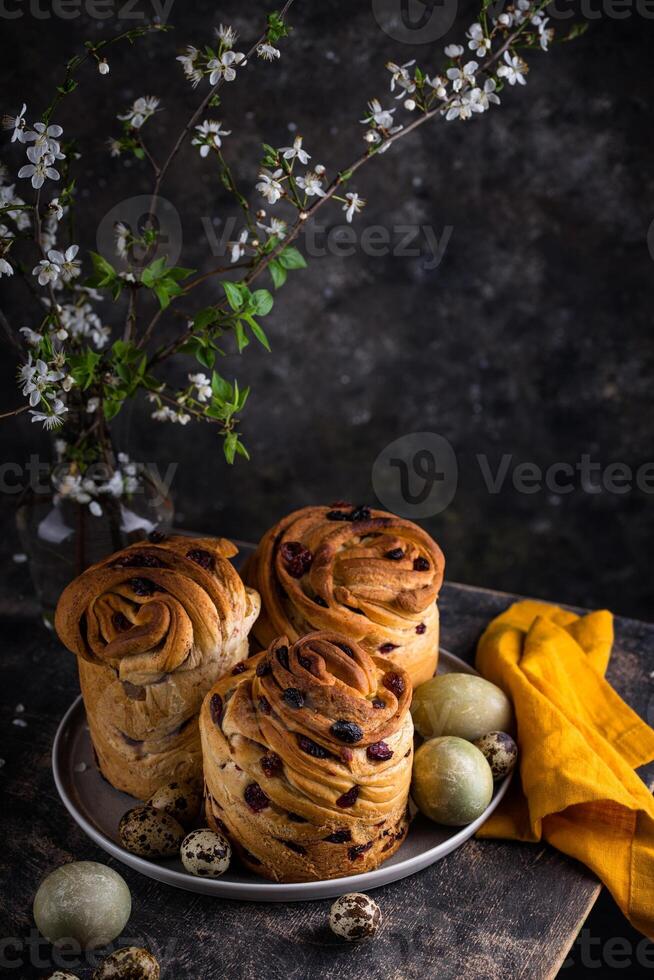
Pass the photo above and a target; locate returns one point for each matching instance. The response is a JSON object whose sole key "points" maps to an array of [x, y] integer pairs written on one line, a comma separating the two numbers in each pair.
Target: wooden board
{"points": [[491, 911]]}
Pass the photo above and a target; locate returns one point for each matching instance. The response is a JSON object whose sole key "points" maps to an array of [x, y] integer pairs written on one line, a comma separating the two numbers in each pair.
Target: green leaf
{"points": [[290, 258], [241, 338], [229, 446], [258, 332], [179, 273], [112, 406], [233, 294], [153, 272], [206, 356], [104, 271], [277, 273], [205, 318], [262, 302]]}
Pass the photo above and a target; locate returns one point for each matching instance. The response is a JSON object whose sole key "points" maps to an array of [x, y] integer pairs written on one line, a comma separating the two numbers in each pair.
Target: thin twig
{"points": [[16, 411]]}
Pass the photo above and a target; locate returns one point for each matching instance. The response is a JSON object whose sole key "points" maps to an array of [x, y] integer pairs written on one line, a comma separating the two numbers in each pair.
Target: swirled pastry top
{"points": [[365, 573], [319, 728], [155, 608]]}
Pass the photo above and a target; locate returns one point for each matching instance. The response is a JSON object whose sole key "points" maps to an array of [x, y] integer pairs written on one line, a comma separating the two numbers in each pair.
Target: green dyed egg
{"points": [[84, 901], [452, 782], [464, 705]]}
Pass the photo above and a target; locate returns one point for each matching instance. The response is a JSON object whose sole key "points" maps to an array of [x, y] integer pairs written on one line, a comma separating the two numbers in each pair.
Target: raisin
{"points": [[293, 697], [346, 649], [121, 622], [421, 565], [264, 706], [239, 668], [348, 798], [271, 764], [282, 656], [394, 683], [378, 703], [387, 647], [202, 558], [309, 664], [292, 846], [379, 752], [216, 708], [420, 629], [319, 601], [255, 797], [312, 748], [263, 668], [297, 558], [143, 586], [339, 837], [139, 560], [360, 514], [358, 850], [156, 537], [347, 731], [395, 554], [336, 515]]}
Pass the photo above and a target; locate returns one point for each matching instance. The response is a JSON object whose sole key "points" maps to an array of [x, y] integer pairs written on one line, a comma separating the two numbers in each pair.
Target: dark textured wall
{"points": [[531, 338]]}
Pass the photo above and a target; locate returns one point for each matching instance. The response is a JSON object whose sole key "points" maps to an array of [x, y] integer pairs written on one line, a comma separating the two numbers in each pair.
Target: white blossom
{"points": [[92, 406], [103, 67], [381, 117], [439, 85], [82, 321], [209, 136], [55, 209], [454, 50], [477, 40], [460, 108], [16, 124], [52, 419], [20, 218], [203, 386], [45, 139], [311, 184], [227, 35], [461, 77], [115, 147], [237, 248], [5, 268], [141, 110], [39, 168], [69, 267], [46, 271], [354, 205], [295, 151], [400, 78], [95, 508], [268, 52], [276, 227], [188, 62], [122, 234], [31, 336], [223, 67], [481, 98], [513, 70], [35, 378], [269, 185]]}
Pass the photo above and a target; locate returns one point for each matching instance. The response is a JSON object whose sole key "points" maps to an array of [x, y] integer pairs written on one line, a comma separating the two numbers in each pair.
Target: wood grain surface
{"points": [[490, 911]]}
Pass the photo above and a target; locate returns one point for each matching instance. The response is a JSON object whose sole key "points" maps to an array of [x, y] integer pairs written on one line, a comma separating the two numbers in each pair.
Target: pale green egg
{"points": [[464, 705], [83, 901], [452, 782]]}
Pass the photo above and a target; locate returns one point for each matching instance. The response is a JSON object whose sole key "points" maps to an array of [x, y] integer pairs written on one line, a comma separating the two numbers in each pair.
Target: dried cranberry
{"points": [[255, 798], [297, 558], [349, 798], [387, 647], [264, 706], [216, 708], [346, 755], [239, 668], [395, 554], [156, 537], [121, 622], [263, 668], [271, 764], [139, 559], [339, 837], [421, 564], [378, 703], [143, 586], [336, 515], [293, 697], [346, 649], [292, 846], [394, 683], [347, 731], [312, 748], [202, 558], [319, 601], [282, 656], [358, 850], [379, 752], [420, 629]]}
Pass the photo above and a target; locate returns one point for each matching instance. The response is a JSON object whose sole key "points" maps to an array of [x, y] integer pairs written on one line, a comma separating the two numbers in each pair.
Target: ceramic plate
{"points": [[97, 808]]}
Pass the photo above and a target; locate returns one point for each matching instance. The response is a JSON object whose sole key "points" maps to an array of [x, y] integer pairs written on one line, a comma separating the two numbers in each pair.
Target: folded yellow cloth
{"points": [[579, 745]]}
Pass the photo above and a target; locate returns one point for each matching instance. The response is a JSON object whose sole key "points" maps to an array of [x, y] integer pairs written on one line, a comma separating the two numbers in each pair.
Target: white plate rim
{"points": [[269, 891]]}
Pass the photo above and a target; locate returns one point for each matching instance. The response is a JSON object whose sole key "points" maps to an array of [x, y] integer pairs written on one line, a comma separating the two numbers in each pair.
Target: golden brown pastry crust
{"points": [[153, 626], [350, 584], [300, 799]]}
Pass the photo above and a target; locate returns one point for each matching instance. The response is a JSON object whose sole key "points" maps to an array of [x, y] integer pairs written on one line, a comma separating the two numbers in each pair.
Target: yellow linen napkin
{"points": [[579, 744]]}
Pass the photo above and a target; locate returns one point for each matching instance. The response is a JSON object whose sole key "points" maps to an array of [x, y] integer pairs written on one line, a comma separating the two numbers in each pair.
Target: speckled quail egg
{"points": [[355, 916], [181, 800], [84, 901], [500, 752], [129, 963], [150, 833], [452, 782], [60, 975], [464, 705], [206, 854]]}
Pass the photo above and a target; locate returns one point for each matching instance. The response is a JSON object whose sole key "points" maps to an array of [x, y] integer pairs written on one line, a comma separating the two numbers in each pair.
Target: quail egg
{"points": [[355, 916], [84, 901], [500, 752], [150, 833], [206, 854], [182, 801], [129, 963], [60, 975]]}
